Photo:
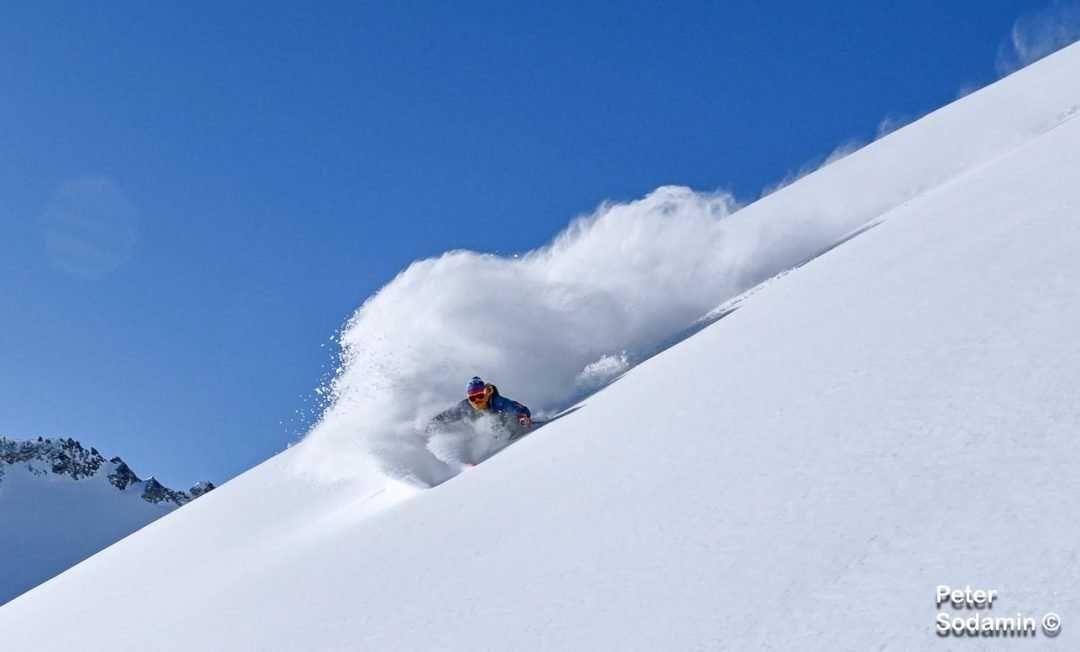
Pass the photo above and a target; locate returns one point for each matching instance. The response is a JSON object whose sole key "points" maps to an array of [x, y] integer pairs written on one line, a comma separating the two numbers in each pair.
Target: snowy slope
{"points": [[897, 414], [61, 503]]}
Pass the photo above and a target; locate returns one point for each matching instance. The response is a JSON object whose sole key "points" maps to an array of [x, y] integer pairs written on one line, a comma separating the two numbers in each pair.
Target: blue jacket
{"points": [[505, 409]]}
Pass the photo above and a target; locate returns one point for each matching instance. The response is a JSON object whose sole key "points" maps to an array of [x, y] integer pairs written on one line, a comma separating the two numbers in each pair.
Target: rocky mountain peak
{"points": [[68, 457]]}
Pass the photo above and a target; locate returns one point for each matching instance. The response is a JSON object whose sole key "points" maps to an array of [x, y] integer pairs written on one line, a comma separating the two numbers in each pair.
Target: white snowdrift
{"points": [[622, 281], [897, 414]]}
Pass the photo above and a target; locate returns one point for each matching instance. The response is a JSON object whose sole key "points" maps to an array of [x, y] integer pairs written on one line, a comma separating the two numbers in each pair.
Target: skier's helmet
{"points": [[479, 393]]}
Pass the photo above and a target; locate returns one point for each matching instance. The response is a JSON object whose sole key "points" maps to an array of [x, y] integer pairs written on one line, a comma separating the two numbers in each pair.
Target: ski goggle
{"points": [[479, 397]]}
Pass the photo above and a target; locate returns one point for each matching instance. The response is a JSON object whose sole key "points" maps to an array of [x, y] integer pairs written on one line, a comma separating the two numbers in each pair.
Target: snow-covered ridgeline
{"points": [[68, 458], [61, 502]]}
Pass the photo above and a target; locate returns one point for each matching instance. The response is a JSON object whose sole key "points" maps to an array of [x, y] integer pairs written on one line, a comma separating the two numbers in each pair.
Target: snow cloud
{"points": [[547, 327], [842, 151], [1037, 35]]}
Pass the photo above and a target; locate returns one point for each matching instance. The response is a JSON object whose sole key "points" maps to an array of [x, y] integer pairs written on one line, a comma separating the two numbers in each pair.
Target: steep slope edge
{"points": [[897, 414]]}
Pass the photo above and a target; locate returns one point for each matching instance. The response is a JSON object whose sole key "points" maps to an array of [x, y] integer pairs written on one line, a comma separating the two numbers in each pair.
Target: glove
{"points": [[524, 420]]}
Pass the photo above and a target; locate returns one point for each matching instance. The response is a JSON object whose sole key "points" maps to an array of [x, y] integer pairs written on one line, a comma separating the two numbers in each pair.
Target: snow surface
{"points": [[898, 413], [50, 522]]}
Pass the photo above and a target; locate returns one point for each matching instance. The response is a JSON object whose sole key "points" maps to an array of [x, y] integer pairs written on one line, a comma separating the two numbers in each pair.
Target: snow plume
{"points": [[1038, 35], [546, 327], [842, 151]]}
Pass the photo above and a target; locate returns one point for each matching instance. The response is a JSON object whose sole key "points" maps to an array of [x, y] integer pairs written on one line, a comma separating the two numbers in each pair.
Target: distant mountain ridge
{"points": [[61, 502], [68, 457]]}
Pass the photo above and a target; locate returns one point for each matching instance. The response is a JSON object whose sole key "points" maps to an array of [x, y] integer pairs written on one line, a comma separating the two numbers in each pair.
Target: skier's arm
{"points": [[510, 406], [446, 417], [524, 417]]}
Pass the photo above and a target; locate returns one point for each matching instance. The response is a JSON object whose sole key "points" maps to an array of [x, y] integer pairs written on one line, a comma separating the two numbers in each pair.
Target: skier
{"points": [[484, 399]]}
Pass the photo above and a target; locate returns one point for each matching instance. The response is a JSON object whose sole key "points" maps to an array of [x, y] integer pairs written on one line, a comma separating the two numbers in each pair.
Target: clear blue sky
{"points": [[195, 196]]}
